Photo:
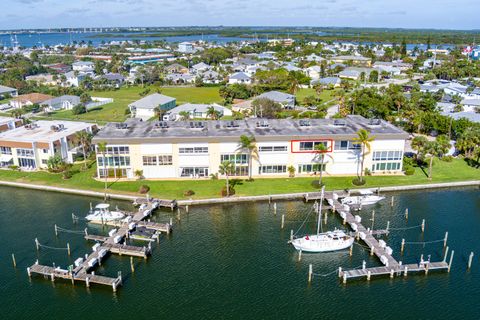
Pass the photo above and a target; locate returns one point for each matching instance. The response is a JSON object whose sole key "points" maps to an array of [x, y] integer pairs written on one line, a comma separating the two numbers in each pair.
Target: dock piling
{"points": [[470, 259], [406, 214], [300, 255], [29, 272], [451, 260], [351, 250], [87, 281], [388, 226], [391, 273], [423, 225], [132, 266], [446, 254], [14, 261], [56, 231], [274, 208], [344, 278], [283, 220], [364, 264], [392, 200], [310, 272], [403, 246], [405, 272], [445, 240], [37, 244], [291, 235], [339, 272], [369, 275], [68, 248]]}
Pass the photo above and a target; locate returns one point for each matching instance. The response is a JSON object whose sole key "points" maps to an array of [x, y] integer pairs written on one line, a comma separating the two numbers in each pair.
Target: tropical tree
{"points": [[433, 149], [102, 148], [85, 140], [418, 143], [55, 163], [248, 144], [226, 168], [363, 139], [212, 113], [184, 115], [321, 150]]}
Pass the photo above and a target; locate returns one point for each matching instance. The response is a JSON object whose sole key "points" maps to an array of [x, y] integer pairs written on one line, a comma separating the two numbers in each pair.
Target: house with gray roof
{"points": [[145, 107], [7, 91], [285, 99], [327, 81], [239, 77], [196, 111], [200, 67], [65, 102], [180, 78]]}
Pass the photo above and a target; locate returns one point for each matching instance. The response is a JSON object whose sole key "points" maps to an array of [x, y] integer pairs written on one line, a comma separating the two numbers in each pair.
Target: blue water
{"points": [[233, 262]]}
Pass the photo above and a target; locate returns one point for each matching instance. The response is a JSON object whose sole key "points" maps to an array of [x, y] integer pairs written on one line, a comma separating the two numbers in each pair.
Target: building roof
{"points": [[277, 96], [83, 63], [357, 58], [267, 130], [239, 76], [327, 80], [74, 100], [42, 131], [201, 66], [152, 101], [195, 107], [4, 89], [33, 97]]}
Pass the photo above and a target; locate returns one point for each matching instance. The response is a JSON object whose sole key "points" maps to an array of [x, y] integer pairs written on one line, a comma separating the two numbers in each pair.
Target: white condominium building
{"points": [[195, 149]]}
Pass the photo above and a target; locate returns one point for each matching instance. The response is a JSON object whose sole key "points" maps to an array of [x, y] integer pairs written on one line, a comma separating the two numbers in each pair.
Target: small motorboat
{"points": [[102, 213], [366, 197]]}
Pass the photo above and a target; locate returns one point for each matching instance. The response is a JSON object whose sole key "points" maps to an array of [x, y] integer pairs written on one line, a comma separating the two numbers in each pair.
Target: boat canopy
{"points": [[365, 192], [102, 206]]}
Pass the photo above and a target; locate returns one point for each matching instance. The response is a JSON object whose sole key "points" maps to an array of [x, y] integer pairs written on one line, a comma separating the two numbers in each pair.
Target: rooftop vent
{"points": [[197, 124], [231, 124], [305, 123], [54, 128], [339, 122], [262, 124], [121, 125], [375, 122], [161, 124]]}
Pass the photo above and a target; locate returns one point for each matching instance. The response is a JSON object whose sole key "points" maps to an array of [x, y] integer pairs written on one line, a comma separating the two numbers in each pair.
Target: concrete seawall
{"points": [[272, 197]]}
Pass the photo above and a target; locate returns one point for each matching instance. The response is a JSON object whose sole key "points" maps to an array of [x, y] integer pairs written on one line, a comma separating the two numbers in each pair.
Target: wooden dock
{"points": [[390, 266], [113, 243]]}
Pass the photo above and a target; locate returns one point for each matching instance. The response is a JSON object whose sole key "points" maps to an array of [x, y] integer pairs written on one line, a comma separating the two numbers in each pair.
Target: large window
{"points": [[117, 150], [273, 169], [161, 160], [311, 167], [194, 172], [149, 160], [386, 166], [26, 163], [114, 161], [5, 150], [165, 160], [240, 158], [112, 173], [346, 145], [310, 145], [25, 153], [193, 150], [387, 155], [272, 148]]}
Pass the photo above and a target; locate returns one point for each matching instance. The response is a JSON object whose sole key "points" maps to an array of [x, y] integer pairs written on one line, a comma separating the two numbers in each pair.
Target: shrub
{"points": [[214, 176], [14, 167], [447, 158], [224, 191], [188, 193], [79, 109], [143, 189], [368, 172], [316, 184], [358, 182], [409, 171], [67, 174]]}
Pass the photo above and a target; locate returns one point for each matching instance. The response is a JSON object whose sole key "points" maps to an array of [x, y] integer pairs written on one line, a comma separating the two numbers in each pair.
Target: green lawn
{"points": [[115, 111], [457, 170], [326, 95]]}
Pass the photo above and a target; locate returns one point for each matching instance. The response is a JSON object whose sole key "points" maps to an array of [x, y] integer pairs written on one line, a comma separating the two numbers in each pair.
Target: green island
{"points": [[456, 170]]}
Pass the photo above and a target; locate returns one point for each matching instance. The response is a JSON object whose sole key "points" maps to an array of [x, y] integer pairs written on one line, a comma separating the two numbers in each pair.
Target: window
{"points": [[44, 161], [346, 145], [273, 169], [386, 166], [45, 150], [115, 161], [5, 150], [194, 172], [387, 155], [118, 150], [26, 163], [149, 160], [165, 160], [312, 167], [113, 173], [193, 150], [310, 145], [25, 153], [272, 148], [241, 158]]}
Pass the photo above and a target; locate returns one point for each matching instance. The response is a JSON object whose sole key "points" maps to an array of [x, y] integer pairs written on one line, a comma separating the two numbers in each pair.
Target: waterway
{"points": [[233, 262]]}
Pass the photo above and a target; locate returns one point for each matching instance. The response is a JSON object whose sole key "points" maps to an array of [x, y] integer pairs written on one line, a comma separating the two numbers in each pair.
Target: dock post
{"points": [[310, 272], [406, 214], [68, 248], [405, 271], [73, 279], [300, 255], [186, 208], [470, 258], [37, 244], [373, 216], [274, 208], [114, 286], [306, 197], [423, 225], [283, 220], [391, 203], [87, 281], [29, 272], [171, 221], [291, 235], [445, 256], [369, 275], [14, 261], [344, 220], [344, 278], [445, 240], [391, 273], [178, 214], [364, 264], [451, 260], [351, 250], [73, 217], [120, 276], [131, 265], [426, 268], [388, 226], [339, 272], [86, 232], [52, 277], [91, 208], [371, 251], [403, 246], [56, 231]]}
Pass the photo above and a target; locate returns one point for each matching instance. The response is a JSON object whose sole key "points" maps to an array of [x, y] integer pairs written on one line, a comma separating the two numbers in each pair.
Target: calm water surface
{"points": [[234, 262]]}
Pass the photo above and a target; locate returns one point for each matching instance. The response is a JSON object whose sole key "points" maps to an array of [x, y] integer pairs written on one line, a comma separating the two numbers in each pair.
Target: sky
{"points": [[438, 14]]}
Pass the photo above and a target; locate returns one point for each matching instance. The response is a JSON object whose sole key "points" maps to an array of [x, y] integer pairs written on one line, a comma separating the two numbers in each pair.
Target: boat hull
{"points": [[311, 244]]}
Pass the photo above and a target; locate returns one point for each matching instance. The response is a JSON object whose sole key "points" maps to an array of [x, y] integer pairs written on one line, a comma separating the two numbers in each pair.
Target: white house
{"points": [[65, 102], [83, 66], [239, 77], [185, 47], [145, 107], [4, 91], [196, 111]]}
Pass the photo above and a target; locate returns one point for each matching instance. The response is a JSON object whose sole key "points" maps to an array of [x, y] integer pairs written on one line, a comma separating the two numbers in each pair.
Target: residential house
{"points": [[314, 72], [200, 68], [176, 68], [211, 77], [9, 123], [196, 111], [239, 77], [180, 78], [43, 78], [59, 67], [145, 107], [29, 100], [74, 78], [356, 60], [7, 91], [327, 81], [354, 73], [286, 100], [66, 102], [30, 146], [186, 47], [114, 79], [83, 66]]}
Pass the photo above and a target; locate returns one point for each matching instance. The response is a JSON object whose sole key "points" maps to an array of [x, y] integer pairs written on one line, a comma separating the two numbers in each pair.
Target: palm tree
{"points": [[184, 115], [211, 113], [102, 148], [159, 112], [226, 168], [84, 138], [247, 144], [321, 149], [363, 139], [434, 149]]}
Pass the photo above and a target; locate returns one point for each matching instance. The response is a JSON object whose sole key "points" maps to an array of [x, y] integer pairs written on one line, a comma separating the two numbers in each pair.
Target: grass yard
{"points": [[115, 111], [326, 95], [457, 170]]}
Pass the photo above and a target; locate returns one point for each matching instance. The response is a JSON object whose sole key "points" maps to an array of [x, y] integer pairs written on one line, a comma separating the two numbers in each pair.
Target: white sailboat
{"points": [[102, 213], [323, 242], [365, 198]]}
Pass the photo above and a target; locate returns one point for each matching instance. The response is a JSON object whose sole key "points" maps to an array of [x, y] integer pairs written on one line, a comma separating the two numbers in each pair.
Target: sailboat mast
{"points": [[320, 211]]}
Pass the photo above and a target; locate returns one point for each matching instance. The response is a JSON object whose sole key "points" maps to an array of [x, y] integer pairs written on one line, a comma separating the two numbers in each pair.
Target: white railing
{"points": [[98, 102]]}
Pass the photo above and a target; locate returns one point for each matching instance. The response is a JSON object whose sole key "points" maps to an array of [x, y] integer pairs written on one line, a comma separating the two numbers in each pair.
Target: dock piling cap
{"points": [[102, 206]]}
